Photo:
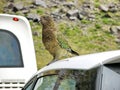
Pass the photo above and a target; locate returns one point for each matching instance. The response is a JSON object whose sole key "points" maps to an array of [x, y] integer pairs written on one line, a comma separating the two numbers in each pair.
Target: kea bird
{"points": [[54, 41]]}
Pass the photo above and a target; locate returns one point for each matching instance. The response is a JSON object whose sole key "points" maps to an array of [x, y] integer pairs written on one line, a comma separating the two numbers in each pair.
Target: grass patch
{"points": [[2, 4], [84, 21], [98, 26], [95, 38], [40, 11], [109, 21]]}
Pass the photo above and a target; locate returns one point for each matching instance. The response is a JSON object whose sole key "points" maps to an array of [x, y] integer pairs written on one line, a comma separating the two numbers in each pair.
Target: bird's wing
{"points": [[63, 42]]}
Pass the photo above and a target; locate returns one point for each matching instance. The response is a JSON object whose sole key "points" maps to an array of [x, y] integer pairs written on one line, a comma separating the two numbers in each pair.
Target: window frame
{"points": [[33, 82]]}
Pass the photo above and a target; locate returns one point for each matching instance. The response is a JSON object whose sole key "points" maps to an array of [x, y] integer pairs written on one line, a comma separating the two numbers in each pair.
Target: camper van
{"points": [[99, 71], [17, 55]]}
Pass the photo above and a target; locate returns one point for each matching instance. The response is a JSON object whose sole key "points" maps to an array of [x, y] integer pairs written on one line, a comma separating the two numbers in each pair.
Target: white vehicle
{"points": [[99, 71], [17, 55]]}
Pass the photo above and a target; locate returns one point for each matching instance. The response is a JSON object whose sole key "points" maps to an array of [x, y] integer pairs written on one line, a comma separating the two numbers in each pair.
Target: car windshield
{"points": [[67, 80]]}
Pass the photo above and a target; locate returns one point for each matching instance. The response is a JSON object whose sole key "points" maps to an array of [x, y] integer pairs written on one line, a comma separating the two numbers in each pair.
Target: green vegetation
{"points": [[84, 36], [2, 3], [85, 21], [93, 39], [96, 37], [40, 11]]}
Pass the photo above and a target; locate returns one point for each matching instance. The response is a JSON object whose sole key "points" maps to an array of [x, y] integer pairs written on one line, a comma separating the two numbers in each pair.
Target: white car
{"points": [[99, 71], [17, 55]]}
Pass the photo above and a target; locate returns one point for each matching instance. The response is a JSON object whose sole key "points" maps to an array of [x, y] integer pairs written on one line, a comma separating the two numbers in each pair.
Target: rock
{"points": [[117, 40], [14, 9], [40, 3], [10, 0], [118, 6], [118, 28], [10, 5], [33, 17], [32, 6], [56, 16], [19, 6], [84, 13], [104, 8], [63, 10], [80, 16], [53, 3], [113, 7], [62, 0], [88, 5], [69, 4], [73, 18], [72, 13], [91, 17], [115, 30], [25, 11]]}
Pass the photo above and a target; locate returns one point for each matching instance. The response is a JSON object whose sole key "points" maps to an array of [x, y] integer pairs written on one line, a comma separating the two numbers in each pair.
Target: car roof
{"points": [[84, 62]]}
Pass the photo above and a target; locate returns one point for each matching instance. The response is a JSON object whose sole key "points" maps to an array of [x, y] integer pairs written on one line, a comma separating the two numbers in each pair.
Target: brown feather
{"points": [[50, 41]]}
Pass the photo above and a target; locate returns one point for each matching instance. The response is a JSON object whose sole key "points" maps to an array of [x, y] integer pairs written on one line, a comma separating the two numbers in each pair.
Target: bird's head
{"points": [[46, 20]]}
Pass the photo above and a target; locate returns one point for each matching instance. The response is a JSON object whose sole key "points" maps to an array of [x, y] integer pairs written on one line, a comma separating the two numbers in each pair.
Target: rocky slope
{"points": [[90, 26]]}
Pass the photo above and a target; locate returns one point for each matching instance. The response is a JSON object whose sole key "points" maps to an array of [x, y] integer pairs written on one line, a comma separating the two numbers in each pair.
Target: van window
{"points": [[67, 80], [10, 53]]}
